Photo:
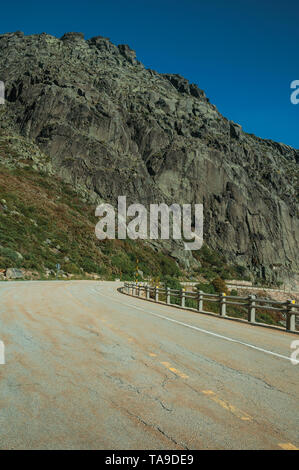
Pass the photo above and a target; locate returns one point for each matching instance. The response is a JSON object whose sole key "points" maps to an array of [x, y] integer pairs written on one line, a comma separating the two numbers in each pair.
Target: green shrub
{"points": [[207, 288], [219, 285], [171, 282], [9, 258], [90, 266], [122, 262], [71, 268], [168, 266]]}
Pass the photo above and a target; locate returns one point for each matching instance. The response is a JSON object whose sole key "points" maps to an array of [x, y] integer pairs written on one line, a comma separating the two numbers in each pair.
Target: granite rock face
{"points": [[112, 127]]}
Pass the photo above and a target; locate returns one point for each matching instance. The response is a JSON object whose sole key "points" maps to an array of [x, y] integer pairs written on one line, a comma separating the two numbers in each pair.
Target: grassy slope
{"points": [[44, 220], [36, 208]]}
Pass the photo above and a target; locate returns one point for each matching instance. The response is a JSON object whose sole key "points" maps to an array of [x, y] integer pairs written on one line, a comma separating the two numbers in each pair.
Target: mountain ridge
{"points": [[110, 127]]}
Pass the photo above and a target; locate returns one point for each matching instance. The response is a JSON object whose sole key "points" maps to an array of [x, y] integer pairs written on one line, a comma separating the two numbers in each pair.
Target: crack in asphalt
{"points": [[157, 428], [119, 382]]}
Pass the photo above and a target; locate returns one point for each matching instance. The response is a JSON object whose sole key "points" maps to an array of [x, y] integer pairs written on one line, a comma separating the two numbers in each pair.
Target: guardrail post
{"points": [[291, 317], [147, 292], [200, 301], [223, 304], [168, 295], [183, 295], [251, 308], [157, 294], [138, 290]]}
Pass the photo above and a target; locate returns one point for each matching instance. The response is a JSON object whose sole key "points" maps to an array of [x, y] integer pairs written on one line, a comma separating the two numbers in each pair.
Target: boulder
{"points": [[14, 273]]}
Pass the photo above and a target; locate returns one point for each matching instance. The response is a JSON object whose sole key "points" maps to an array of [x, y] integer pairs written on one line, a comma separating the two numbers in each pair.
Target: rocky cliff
{"points": [[110, 127]]}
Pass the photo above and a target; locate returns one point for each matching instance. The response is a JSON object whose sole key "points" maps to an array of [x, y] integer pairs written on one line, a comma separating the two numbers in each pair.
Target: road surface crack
{"points": [[156, 428]]}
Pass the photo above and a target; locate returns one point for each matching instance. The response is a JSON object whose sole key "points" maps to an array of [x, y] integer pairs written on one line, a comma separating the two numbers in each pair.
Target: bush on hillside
{"points": [[219, 285]]}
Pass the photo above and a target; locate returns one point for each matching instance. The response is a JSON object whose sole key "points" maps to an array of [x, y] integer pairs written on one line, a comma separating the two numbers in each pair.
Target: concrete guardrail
{"points": [[289, 309]]}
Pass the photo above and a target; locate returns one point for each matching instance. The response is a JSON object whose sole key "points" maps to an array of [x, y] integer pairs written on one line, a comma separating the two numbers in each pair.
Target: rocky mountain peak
{"points": [[111, 127]]}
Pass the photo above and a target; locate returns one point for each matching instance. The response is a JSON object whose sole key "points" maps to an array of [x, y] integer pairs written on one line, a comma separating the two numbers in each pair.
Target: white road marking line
{"points": [[227, 338]]}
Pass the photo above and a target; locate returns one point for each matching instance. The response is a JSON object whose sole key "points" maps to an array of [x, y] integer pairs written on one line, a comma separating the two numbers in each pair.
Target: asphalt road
{"points": [[90, 368]]}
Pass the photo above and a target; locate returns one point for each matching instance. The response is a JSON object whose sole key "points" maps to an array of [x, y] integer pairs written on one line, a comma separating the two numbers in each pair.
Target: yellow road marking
{"points": [[227, 406], [175, 371], [288, 446], [212, 395], [224, 404]]}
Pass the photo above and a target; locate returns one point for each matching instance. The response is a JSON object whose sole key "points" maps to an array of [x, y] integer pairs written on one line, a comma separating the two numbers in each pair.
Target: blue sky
{"points": [[244, 54]]}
